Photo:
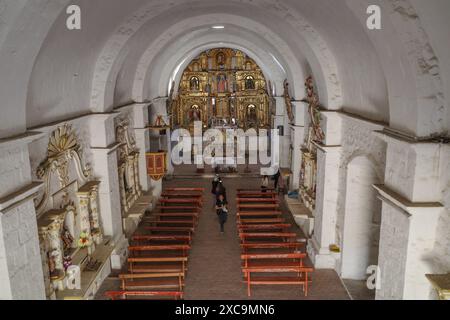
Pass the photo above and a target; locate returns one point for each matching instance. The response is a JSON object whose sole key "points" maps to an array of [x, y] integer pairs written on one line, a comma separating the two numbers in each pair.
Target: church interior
{"points": [[350, 98]]}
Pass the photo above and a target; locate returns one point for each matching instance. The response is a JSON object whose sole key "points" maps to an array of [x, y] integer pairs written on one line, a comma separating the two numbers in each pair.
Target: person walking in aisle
{"points": [[264, 183], [215, 183]]}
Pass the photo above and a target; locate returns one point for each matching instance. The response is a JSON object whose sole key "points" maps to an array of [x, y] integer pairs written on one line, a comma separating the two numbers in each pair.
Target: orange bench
{"points": [[125, 295]]}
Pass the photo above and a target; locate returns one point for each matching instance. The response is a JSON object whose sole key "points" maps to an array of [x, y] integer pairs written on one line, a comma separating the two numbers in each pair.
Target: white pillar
{"points": [[410, 214], [327, 188], [21, 274], [328, 161], [104, 152]]}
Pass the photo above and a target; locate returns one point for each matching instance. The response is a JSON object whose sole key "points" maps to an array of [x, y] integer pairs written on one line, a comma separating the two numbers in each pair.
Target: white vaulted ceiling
{"points": [[129, 51]]}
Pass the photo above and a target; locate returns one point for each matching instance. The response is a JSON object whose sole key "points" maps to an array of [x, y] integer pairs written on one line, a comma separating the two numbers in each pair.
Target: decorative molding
{"points": [[410, 208], [63, 148], [16, 198]]}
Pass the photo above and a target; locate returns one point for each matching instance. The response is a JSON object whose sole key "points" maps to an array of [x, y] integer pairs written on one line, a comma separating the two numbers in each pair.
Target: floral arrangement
{"points": [[84, 240]]}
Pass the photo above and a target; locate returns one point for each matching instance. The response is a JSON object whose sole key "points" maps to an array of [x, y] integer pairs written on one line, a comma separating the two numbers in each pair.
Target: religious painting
{"points": [[222, 83]]}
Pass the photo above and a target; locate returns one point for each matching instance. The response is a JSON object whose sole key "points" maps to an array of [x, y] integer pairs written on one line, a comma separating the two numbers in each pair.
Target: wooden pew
{"points": [[300, 277], [199, 190], [179, 239], [286, 236], [135, 250], [248, 207], [264, 227], [157, 265], [257, 200], [262, 195], [243, 214], [152, 281], [142, 295], [164, 208], [260, 221], [170, 195], [177, 202], [171, 223], [170, 229], [292, 246], [263, 260]]}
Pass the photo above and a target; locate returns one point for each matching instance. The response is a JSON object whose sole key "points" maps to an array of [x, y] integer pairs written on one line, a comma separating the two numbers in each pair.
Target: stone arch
{"points": [[362, 218]]}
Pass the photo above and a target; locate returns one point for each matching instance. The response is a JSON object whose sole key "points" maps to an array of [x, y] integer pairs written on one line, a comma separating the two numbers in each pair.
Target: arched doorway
{"points": [[361, 221]]}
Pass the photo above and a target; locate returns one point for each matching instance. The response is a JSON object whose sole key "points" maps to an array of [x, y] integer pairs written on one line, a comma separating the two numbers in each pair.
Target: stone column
{"points": [[21, 274], [411, 208], [328, 163], [105, 169], [297, 138]]}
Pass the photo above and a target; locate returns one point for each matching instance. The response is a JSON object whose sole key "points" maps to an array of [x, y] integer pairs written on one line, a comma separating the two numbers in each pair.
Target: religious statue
{"points": [[159, 122], [313, 109], [220, 59], [195, 84], [194, 114], [288, 100], [222, 83], [67, 239], [249, 83], [252, 118]]}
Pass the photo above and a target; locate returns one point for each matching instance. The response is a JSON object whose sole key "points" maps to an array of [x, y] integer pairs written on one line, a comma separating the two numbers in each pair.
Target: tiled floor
{"points": [[214, 262]]}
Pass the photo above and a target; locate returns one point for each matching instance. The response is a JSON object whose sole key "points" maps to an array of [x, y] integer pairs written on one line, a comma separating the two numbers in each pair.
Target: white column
{"points": [[410, 214], [297, 139], [104, 152], [21, 274], [328, 163]]}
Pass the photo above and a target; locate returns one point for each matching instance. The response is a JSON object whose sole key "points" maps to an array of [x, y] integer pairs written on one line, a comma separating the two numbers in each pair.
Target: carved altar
{"points": [[128, 166], [222, 84], [68, 216], [308, 169]]}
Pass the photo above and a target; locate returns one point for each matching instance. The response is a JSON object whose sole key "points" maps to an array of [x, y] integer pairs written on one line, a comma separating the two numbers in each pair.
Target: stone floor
{"points": [[214, 263]]}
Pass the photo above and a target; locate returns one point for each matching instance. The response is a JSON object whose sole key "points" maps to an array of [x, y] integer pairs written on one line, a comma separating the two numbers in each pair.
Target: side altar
{"points": [[75, 253]]}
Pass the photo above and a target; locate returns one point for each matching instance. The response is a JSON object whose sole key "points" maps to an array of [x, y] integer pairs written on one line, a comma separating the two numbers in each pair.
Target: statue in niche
{"points": [[249, 83], [314, 111], [252, 118], [194, 114], [220, 59], [195, 84], [288, 101], [67, 240], [52, 258], [222, 83]]}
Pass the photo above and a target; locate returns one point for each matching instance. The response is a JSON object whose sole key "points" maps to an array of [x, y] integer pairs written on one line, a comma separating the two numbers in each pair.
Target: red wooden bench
{"points": [[191, 223], [177, 202], [286, 236], [164, 208], [170, 229], [141, 295], [260, 221], [258, 200], [187, 239], [300, 277], [274, 213], [151, 281], [184, 249], [293, 246], [157, 265], [264, 227], [249, 207], [201, 190]]}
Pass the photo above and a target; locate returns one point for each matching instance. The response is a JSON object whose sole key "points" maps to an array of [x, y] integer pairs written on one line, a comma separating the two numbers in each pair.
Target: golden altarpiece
{"points": [[71, 238], [308, 170], [222, 88]]}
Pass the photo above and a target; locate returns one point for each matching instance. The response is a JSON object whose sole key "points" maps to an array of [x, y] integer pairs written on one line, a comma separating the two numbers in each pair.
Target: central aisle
{"points": [[214, 263]]}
